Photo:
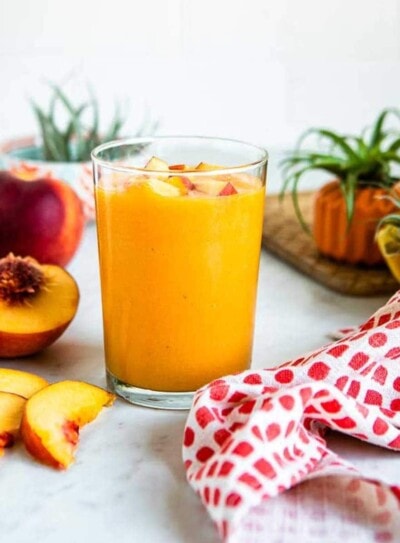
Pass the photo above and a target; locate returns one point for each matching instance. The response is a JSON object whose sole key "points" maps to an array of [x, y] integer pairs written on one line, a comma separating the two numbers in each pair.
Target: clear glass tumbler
{"points": [[179, 223]]}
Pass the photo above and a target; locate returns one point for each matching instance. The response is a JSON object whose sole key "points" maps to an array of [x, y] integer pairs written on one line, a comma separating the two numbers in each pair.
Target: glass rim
{"points": [[149, 139]]}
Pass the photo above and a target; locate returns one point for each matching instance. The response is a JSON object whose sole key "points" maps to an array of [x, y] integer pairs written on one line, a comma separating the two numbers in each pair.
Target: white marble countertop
{"points": [[128, 482]]}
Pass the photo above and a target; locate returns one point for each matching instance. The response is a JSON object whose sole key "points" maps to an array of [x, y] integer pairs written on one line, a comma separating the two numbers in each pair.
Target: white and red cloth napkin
{"points": [[251, 436]]}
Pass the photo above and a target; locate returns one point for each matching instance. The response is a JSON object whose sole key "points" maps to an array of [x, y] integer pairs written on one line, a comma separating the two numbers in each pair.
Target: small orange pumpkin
{"points": [[354, 244]]}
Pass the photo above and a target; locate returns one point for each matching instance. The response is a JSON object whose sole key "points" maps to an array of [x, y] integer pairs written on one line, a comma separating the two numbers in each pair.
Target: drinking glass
{"points": [[179, 241]]}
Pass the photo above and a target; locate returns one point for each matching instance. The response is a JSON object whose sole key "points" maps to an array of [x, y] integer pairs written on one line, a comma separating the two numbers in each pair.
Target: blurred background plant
{"points": [[69, 131]]}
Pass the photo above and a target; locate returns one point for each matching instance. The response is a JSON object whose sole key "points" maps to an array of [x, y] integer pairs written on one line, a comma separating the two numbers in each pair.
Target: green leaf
{"points": [[52, 108], [363, 149], [391, 157], [41, 118], [70, 131], [296, 204], [377, 134], [339, 141], [348, 187], [395, 146], [78, 129], [64, 99], [53, 142], [294, 180]]}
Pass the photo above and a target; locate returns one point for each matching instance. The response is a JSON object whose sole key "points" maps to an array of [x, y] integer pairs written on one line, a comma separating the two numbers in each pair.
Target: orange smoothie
{"points": [[179, 278]]}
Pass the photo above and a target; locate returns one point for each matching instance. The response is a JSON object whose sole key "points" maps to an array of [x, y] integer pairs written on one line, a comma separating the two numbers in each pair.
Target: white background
{"points": [[259, 70]]}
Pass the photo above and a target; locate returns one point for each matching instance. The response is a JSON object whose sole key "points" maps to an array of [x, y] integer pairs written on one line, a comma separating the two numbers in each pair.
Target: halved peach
{"points": [[21, 382], [53, 416], [37, 303], [157, 165], [11, 409]]}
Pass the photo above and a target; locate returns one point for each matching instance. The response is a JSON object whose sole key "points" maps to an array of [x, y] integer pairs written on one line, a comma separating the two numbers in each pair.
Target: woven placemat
{"points": [[284, 237]]}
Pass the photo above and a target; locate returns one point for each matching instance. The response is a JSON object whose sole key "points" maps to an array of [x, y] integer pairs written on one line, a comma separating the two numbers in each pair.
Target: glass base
{"points": [[149, 398]]}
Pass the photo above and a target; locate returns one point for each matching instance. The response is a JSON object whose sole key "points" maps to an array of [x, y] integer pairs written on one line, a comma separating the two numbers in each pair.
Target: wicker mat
{"points": [[284, 237]]}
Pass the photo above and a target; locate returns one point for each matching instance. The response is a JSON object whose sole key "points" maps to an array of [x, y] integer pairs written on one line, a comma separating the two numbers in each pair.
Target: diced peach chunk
{"points": [[188, 183], [164, 188], [214, 187], [228, 190], [209, 186], [157, 165], [177, 182]]}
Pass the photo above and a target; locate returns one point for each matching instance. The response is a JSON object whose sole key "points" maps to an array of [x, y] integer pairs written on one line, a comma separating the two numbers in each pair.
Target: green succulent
{"points": [[355, 161], [74, 141]]}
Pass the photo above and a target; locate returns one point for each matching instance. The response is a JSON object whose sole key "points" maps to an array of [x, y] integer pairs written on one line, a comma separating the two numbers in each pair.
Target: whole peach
{"points": [[41, 218]]}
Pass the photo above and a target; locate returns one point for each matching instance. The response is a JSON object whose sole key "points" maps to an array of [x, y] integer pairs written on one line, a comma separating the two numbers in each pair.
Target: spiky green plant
{"points": [[74, 140], [355, 161]]}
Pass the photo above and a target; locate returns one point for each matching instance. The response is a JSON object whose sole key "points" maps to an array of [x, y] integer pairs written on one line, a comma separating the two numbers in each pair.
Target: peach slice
{"points": [[37, 303], [11, 409], [21, 382], [53, 416], [204, 167], [157, 165]]}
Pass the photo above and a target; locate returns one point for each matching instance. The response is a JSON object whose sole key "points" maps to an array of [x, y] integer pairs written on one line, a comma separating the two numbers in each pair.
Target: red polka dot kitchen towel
{"points": [[251, 436]]}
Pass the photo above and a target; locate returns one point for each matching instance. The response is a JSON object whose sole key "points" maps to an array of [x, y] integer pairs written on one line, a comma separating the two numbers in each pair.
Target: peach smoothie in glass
{"points": [[179, 245]]}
